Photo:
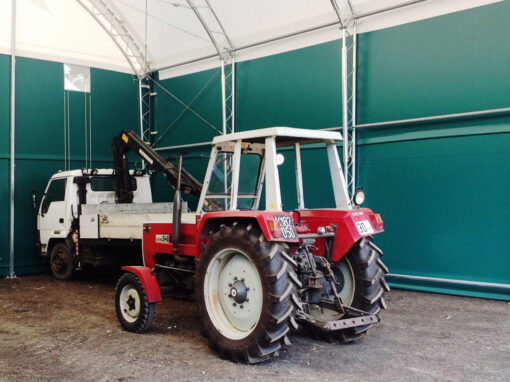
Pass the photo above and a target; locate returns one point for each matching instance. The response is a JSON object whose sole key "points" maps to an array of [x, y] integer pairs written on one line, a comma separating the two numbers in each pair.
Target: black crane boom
{"points": [[128, 141]]}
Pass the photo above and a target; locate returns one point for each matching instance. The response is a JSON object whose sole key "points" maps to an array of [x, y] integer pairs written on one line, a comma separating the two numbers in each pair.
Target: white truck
{"points": [[103, 232], [95, 217]]}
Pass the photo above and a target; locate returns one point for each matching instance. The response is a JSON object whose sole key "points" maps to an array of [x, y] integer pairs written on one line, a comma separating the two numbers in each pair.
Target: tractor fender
{"points": [[213, 221], [149, 282]]}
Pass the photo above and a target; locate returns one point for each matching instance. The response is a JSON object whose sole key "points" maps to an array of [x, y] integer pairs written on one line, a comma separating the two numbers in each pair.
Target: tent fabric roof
{"points": [[170, 33]]}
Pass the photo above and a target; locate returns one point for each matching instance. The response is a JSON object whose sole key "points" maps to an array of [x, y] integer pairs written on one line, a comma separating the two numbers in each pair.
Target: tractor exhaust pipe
{"points": [[177, 211]]}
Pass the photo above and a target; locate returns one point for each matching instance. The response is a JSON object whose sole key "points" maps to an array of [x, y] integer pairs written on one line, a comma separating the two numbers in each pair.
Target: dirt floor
{"points": [[52, 330]]}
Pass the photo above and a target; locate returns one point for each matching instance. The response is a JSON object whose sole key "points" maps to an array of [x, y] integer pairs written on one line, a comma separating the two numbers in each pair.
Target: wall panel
{"points": [[442, 187], [40, 116]]}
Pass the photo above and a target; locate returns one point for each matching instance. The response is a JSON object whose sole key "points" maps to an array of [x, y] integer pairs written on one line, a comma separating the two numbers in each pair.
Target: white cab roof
{"points": [[284, 136], [79, 172]]}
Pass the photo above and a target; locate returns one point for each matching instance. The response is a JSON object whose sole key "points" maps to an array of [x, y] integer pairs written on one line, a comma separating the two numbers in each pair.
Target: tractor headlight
{"points": [[359, 196]]}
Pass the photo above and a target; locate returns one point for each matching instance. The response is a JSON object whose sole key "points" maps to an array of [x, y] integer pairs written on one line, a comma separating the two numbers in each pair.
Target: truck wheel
{"points": [[61, 262], [361, 284], [134, 312], [246, 294]]}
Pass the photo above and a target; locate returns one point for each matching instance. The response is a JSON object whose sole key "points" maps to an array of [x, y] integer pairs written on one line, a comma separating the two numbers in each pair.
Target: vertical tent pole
{"points": [[345, 105], [12, 141], [233, 93], [223, 95], [352, 179], [140, 100]]}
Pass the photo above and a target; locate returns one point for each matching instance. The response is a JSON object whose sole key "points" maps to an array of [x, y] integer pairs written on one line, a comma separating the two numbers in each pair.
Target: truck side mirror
{"points": [[33, 196]]}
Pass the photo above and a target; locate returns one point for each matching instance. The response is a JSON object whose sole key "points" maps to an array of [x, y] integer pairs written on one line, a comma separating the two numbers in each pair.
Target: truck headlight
{"points": [[359, 196]]}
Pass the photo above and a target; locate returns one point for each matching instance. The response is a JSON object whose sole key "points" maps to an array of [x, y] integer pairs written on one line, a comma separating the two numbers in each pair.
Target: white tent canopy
{"points": [[178, 35]]}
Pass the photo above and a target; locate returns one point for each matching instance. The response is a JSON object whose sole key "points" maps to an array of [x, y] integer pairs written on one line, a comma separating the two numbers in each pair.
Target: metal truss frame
{"points": [[145, 94], [224, 48], [133, 50], [106, 16], [349, 48]]}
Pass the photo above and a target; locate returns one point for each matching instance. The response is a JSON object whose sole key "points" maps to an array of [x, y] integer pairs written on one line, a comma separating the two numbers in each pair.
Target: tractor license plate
{"points": [[364, 227]]}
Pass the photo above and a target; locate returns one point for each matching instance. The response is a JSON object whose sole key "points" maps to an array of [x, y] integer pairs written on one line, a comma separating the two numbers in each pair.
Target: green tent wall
{"points": [[442, 188]]}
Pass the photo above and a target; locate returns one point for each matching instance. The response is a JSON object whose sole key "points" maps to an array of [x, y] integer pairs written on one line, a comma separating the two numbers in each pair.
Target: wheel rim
{"points": [[59, 262], [233, 293], [129, 302], [345, 286]]}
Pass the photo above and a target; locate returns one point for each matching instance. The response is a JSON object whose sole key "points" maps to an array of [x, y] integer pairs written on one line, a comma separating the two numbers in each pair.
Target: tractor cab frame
{"points": [[225, 159]]}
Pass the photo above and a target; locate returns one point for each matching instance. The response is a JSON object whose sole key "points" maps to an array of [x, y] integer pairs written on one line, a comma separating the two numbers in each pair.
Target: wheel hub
{"points": [[58, 263], [131, 303], [239, 292], [231, 275]]}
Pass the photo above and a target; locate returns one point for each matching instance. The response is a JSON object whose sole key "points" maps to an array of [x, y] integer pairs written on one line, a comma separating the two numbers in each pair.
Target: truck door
{"points": [[53, 220]]}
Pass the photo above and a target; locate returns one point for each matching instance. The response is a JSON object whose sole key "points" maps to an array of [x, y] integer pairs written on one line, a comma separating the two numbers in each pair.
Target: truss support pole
{"points": [[228, 95], [223, 98], [12, 163], [145, 94], [349, 107]]}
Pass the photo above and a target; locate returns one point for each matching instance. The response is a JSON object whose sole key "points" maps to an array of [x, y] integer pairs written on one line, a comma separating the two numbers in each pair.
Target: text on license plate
{"points": [[364, 227]]}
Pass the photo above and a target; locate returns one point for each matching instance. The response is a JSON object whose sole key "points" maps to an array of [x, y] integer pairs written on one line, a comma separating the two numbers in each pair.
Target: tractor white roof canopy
{"points": [[172, 32], [303, 136]]}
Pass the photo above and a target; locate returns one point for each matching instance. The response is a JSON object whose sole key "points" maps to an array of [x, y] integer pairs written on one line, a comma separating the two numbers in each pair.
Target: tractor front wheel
{"points": [[246, 294], [134, 312]]}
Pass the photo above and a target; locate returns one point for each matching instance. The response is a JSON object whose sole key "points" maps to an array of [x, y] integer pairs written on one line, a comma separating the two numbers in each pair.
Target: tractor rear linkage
{"points": [[355, 317]]}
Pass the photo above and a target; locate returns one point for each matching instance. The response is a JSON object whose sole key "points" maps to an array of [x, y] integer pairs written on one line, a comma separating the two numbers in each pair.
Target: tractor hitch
{"points": [[341, 324]]}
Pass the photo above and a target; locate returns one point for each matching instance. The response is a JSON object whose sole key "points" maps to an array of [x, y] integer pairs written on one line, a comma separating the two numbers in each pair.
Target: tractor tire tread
{"points": [[277, 318]]}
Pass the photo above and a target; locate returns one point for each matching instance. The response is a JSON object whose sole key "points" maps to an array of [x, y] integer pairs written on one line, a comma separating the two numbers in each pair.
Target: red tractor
{"points": [[258, 274]]}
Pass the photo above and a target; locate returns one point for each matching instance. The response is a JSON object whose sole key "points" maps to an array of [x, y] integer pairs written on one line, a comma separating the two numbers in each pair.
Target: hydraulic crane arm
{"points": [[128, 141]]}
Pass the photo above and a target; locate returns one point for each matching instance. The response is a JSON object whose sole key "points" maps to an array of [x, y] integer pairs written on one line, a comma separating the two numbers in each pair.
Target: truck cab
{"points": [[69, 193]]}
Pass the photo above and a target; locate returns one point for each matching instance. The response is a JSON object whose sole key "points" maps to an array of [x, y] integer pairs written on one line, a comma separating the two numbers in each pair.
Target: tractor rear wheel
{"points": [[246, 294], [361, 284]]}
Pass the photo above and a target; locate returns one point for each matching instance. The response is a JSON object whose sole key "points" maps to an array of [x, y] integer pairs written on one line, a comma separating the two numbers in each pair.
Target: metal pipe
{"points": [[387, 9], [65, 132], [220, 24], [233, 94], [436, 118], [337, 11], [480, 113], [12, 138], [397, 277], [182, 146], [90, 130], [140, 98], [68, 132], [223, 97], [85, 127], [353, 108], [204, 25], [345, 106], [297, 33]]}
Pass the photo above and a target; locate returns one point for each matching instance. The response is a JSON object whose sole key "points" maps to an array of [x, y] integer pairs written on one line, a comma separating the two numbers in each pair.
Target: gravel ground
{"points": [[51, 330]]}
